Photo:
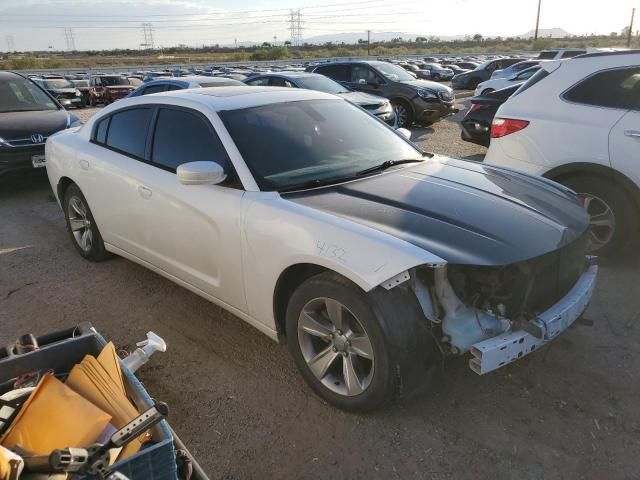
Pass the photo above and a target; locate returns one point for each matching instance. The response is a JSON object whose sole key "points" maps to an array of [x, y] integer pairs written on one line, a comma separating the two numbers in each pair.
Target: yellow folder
{"points": [[53, 417], [100, 381]]}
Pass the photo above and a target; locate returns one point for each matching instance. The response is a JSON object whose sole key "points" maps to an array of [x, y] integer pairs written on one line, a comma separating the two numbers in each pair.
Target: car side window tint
{"points": [[362, 74], [337, 72], [280, 82], [618, 88], [101, 130], [127, 131], [154, 89], [258, 82], [182, 137], [572, 53], [172, 87]]}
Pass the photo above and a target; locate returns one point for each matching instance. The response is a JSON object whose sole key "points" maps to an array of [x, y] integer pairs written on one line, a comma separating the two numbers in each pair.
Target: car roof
{"points": [[236, 97], [287, 74], [4, 75]]}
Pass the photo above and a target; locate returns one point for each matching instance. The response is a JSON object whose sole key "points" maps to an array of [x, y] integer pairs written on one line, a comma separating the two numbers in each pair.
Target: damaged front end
{"points": [[501, 313]]}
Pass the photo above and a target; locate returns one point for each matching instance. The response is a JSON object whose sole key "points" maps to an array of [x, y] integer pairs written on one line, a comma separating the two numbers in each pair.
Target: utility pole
{"points": [[368, 42], [535, 37], [629, 33]]}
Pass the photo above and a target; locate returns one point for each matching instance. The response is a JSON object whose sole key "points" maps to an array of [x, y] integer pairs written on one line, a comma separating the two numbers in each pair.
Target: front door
{"points": [[191, 231]]}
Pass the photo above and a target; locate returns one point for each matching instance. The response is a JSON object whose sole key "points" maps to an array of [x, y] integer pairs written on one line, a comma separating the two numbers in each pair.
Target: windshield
{"points": [[294, 143], [114, 81], [54, 83], [393, 72], [20, 95], [322, 84]]}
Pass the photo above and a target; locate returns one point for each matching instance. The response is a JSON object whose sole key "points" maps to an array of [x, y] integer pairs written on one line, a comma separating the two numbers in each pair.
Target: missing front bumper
{"points": [[496, 352]]}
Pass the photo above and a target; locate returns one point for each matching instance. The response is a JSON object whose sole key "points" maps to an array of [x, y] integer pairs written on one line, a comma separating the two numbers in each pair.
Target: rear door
{"points": [[583, 124], [624, 139]]}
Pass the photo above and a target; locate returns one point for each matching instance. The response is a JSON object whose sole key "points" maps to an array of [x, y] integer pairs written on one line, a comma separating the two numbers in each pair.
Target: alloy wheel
{"points": [[335, 346], [602, 222], [80, 223], [401, 115]]}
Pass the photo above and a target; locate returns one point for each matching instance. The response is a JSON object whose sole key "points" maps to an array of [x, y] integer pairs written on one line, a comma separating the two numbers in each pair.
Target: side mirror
{"points": [[200, 173], [362, 81], [404, 132]]}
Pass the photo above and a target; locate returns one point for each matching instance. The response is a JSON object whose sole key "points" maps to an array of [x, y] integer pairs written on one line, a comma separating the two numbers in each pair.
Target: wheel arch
{"points": [[404, 100], [63, 185], [583, 169], [286, 284]]}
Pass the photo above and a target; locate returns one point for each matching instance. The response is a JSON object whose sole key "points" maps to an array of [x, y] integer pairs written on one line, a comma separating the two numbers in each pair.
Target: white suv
{"points": [[577, 122]]}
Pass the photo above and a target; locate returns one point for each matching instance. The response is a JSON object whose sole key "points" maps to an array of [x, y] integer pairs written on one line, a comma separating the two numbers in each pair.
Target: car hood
{"points": [[17, 125], [361, 98], [436, 87], [462, 211]]}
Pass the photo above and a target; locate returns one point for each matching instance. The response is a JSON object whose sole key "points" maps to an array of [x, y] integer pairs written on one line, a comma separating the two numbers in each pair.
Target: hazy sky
{"points": [[103, 24]]}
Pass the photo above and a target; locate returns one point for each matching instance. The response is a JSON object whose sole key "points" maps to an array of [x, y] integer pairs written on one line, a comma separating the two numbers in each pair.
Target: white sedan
{"points": [[493, 84], [320, 225]]}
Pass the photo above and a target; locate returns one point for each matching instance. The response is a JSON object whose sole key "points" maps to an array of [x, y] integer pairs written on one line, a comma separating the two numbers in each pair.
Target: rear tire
{"points": [[82, 227], [614, 215], [374, 382]]}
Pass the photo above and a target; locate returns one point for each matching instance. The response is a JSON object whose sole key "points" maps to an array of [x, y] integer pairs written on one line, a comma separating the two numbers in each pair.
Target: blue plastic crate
{"points": [[61, 351]]}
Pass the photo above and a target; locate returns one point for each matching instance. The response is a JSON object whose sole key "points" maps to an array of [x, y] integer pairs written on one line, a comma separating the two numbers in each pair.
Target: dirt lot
{"points": [[568, 411]]}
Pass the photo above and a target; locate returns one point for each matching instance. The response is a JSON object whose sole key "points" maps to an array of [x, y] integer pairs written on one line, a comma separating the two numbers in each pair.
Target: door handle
{"points": [[84, 164], [144, 192], [632, 133]]}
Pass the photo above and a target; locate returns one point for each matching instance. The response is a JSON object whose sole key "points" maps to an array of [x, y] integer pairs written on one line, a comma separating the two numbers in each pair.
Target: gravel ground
{"points": [[567, 411]]}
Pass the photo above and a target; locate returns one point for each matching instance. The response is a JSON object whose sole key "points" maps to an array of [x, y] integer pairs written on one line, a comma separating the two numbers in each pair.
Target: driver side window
{"points": [[360, 73], [181, 137]]}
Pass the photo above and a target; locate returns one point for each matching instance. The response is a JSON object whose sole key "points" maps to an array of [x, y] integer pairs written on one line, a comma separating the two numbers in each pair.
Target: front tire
{"points": [[613, 216], [338, 344], [82, 226], [403, 113]]}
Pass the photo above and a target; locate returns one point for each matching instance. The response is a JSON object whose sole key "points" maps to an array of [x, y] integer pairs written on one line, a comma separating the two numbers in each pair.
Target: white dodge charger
{"points": [[320, 225]]}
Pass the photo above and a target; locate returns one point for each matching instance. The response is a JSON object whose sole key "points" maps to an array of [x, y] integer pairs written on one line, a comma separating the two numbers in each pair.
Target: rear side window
{"points": [[539, 75], [337, 72], [618, 88], [128, 131], [101, 131], [572, 53], [280, 82], [259, 82], [547, 55], [154, 89], [182, 137]]}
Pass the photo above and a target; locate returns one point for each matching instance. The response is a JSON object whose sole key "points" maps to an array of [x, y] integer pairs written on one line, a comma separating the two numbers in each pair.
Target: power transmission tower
{"points": [[147, 33], [295, 27], [11, 45], [630, 32], [68, 36]]}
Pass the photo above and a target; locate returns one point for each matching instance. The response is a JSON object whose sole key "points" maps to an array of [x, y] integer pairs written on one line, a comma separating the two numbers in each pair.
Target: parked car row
{"points": [[324, 228]]}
